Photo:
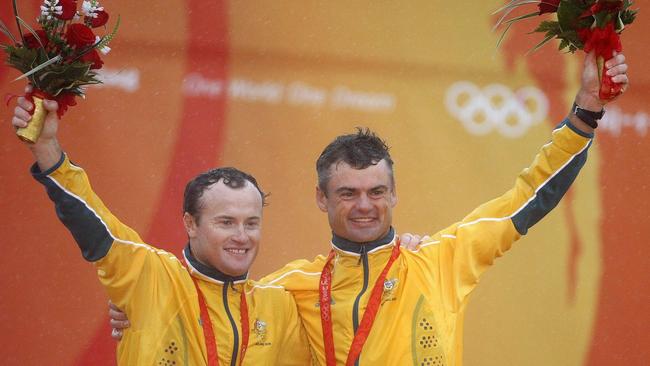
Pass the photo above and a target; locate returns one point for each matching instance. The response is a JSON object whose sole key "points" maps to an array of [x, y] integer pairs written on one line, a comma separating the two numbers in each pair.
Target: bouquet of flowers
{"points": [[589, 25], [60, 57]]}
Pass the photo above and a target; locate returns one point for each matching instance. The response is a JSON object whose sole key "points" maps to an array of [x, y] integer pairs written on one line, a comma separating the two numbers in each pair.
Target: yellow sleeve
{"points": [[459, 254], [297, 275], [295, 346], [130, 270]]}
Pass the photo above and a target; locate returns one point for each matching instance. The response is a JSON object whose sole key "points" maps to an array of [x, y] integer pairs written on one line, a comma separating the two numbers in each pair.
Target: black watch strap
{"points": [[589, 117]]}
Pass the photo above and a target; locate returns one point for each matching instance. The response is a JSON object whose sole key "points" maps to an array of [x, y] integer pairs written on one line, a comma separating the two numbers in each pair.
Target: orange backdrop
{"points": [[193, 84]]}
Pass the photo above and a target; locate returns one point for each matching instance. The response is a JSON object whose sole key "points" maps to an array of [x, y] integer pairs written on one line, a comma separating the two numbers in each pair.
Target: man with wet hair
{"points": [[369, 301], [199, 310], [359, 150]]}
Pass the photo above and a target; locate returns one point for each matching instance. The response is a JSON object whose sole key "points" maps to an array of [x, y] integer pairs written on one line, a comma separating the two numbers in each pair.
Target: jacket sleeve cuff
{"points": [[576, 130], [39, 175]]}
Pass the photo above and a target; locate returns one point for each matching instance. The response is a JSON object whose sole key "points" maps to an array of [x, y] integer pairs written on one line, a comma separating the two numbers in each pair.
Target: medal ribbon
{"points": [[208, 332], [325, 297]]}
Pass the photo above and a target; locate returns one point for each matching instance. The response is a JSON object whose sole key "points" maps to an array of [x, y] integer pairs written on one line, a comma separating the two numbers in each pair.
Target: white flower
{"points": [[90, 8], [104, 49], [51, 8]]}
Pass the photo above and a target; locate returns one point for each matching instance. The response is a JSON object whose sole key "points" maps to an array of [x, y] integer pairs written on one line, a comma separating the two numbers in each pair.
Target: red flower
{"points": [[548, 6], [604, 41], [32, 42], [79, 35], [69, 8], [65, 100], [609, 6], [101, 19], [93, 57]]}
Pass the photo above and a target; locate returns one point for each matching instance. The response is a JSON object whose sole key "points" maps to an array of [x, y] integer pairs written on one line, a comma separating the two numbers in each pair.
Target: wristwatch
{"points": [[589, 117]]}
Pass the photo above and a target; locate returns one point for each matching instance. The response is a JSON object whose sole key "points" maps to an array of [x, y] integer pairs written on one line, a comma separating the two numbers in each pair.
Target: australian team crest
{"points": [[260, 332], [390, 287]]}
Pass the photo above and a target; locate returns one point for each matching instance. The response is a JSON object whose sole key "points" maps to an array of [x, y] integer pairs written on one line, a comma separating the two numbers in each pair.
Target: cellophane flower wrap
{"points": [[588, 25], [61, 55]]}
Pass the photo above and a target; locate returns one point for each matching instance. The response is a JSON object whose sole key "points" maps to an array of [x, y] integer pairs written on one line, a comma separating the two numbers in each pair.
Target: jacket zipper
{"points": [[355, 309], [235, 346]]}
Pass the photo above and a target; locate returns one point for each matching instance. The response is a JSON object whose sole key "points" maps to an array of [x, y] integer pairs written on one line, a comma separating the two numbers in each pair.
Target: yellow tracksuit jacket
{"points": [[420, 321], [159, 296]]}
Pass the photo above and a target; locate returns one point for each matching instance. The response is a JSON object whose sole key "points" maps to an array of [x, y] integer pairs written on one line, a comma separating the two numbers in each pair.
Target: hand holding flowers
{"points": [[589, 25], [61, 58]]}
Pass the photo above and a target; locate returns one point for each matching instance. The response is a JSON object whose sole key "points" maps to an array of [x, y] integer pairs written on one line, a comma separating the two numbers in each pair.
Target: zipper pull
{"points": [[363, 253]]}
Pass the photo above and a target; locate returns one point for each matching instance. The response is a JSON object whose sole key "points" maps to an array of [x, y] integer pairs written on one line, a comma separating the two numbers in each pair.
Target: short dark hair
{"points": [[359, 150], [231, 177]]}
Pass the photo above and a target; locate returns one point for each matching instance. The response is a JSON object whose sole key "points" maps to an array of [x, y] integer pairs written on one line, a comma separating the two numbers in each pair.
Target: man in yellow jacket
{"points": [[199, 310], [370, 302]]}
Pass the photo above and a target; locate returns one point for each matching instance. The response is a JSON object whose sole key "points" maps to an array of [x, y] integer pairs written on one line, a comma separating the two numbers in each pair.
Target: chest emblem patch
{"points": [[259, 329], [390, 288]]}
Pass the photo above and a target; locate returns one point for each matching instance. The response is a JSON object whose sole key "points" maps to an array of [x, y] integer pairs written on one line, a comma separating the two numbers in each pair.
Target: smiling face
{"points": [[226, 233], [359, 202]]}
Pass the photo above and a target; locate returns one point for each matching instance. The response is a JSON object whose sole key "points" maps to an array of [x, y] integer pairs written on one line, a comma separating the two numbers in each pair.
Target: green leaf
{"points": [[33, 32], [20, 31], [104, 41], [63, 77], [619, 23], [548, 26], [503, 34], [571, 36], [21, 58], [628, 16], [540, 44], [568, 14], [76, 86], [38, 68], [516, 19], [67, 72], [504, 7], [514, 4], [602, 19], [506, 11]]}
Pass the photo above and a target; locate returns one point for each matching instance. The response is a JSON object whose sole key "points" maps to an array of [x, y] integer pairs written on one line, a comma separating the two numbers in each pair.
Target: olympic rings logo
{"points": [[496, 107]]}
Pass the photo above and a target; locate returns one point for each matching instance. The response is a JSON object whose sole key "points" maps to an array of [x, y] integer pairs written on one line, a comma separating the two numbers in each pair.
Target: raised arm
{"points": [[463, 251], [84, 214], [118, 252]]}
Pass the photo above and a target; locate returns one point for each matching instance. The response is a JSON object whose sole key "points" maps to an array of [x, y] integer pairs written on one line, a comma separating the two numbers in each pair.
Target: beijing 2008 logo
{"points": [[496, 106]]}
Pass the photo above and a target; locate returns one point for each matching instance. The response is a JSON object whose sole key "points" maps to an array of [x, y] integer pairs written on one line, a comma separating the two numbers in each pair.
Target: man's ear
{"points": [[190, 224], [321, 199]]}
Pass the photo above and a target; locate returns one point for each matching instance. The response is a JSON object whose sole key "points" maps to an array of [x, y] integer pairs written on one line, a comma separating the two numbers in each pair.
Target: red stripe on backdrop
{"points": [[200, 136], [554, 86], [198, 144], [621, 328], [620, 335]]}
